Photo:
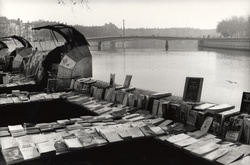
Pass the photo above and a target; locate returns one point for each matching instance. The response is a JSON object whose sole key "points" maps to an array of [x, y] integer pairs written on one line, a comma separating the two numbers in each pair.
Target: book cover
{"points": [[203, 106], [172, 112], [155, 107], [112, 137], [245, 137], [73, 143], [131, 100], [88, 141], [192, 89], [46, 148], [206, 124], [135, 132], [127, 81], [243, 161], [12, 155], [245, 103], [160, 110], [8, 142], [30, 153], [4, 133], [212, 156], [15, 128], [185, 142], [147, 131], [233, 129], [112, 79], [191, 117], [219, 108], [157, 130], [229, 157], [178, 137], [160, 95], [205, 149]]}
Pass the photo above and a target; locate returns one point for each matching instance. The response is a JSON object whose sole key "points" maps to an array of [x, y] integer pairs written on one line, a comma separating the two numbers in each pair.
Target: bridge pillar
{"points": [[166, 45], [99, 45], [112, 43]]}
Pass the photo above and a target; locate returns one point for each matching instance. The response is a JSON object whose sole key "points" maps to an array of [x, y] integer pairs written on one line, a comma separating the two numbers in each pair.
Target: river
{"points": [[226, 73]]}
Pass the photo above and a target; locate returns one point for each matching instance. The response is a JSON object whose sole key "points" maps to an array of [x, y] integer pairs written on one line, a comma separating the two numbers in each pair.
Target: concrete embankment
{"points": [[226, 43]]}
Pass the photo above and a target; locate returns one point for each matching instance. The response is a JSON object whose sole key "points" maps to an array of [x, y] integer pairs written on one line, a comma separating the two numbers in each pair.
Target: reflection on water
{"points": [[226, 73]]}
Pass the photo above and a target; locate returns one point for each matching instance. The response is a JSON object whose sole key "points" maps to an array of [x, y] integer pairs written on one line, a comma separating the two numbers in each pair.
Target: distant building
{"points": [[4, 24]]}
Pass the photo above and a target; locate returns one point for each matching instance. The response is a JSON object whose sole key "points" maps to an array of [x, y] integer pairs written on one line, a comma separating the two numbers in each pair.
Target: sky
{"points": [[202, 14]]}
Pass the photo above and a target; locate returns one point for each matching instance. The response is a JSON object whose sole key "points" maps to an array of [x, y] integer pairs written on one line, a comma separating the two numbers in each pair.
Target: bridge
{"points": [[114, 39], [224, 43]]}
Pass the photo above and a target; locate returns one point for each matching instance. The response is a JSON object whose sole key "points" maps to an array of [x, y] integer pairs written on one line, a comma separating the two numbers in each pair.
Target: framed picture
{"points": [[127, 81], [192, 90], [245, 103], [51, 86]]}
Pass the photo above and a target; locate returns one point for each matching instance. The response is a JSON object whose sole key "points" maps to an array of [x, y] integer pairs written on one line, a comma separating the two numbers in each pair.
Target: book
{"points": [[219, 108], [112, 137], [178, 137], [206, 124], [160, 112], [157, 130], [185, 142], [155, 107], [108, 94], [30, 153], [131, 100], [165, 123], [127, 81], [229, 157], [220, 119], [135, 132], [147, 131], [172, 111], [243, 161], [124, 135], [4, 133], [8, 142], [192, 89], [212, 156], [88, 141], [112, 79], [245, 137], [204, 128], [191, 117], [73, 143], [160, 95], [46, 148], [205, 149], [245, 103], [234, 129], [15, 128], [203, 106], [196, 145], [157, 121], [12, 155]]}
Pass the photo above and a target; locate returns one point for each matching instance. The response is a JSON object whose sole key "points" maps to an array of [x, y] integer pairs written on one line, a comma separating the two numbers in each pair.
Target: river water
{"points": [[226, 73]]}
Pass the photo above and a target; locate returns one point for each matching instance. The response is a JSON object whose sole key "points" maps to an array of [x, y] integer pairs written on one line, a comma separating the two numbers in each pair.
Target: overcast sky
{"points": [[203, 14]]}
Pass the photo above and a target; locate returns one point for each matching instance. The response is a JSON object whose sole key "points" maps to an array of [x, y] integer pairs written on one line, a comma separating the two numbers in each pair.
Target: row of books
{"points": [[18, 83], [25, 97], [113, 103], [71, 134], [210, 148]]}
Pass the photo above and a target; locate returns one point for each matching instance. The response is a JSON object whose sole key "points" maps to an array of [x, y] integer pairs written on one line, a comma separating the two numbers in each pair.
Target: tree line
{"points": [[234, 27]]}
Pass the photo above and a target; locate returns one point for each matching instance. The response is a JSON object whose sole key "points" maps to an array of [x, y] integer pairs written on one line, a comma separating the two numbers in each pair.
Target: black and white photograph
{"points": [[80, 79]]}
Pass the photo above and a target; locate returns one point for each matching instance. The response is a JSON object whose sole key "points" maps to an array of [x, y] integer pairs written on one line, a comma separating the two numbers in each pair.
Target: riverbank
{"points": [[226, 43]]}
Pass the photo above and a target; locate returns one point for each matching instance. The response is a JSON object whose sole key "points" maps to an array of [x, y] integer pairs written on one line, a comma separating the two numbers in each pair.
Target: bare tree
{"points": [[83, 3]]}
